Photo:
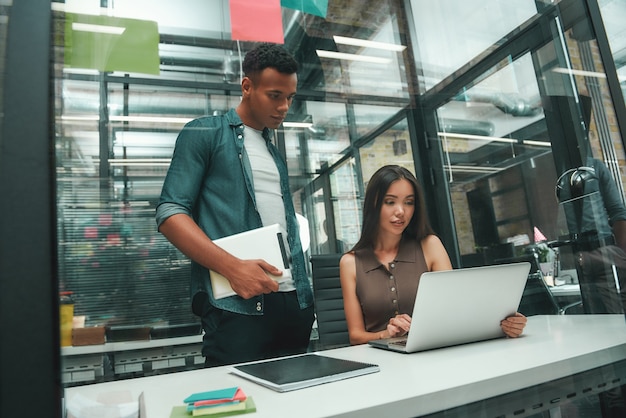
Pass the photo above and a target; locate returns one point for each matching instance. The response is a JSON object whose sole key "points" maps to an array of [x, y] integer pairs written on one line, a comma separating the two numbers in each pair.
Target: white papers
{"points": [[107, 405], [264, 243]]}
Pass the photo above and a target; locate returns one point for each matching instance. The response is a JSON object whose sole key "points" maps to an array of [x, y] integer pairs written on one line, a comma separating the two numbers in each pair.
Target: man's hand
{"points": [[250, 279], [246, 277]]}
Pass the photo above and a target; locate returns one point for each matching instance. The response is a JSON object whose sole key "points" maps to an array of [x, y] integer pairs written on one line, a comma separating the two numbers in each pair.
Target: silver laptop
{"points": [[461, 306]]}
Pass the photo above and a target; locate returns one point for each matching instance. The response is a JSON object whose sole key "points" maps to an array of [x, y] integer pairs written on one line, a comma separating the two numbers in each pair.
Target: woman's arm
{"points": [[435, 254], [351, 305]]}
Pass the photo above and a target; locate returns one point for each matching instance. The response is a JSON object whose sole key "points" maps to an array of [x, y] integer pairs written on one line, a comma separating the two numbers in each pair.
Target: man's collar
{"points": [[234, 120]]}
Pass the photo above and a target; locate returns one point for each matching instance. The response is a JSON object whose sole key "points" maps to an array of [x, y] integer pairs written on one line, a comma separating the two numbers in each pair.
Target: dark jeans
{"points": [[283, 329], [602, 277]]}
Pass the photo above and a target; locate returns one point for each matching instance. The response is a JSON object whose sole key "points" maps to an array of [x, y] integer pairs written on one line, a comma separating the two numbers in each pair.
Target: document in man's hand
{"points": [[291, 373], [261, 243]]}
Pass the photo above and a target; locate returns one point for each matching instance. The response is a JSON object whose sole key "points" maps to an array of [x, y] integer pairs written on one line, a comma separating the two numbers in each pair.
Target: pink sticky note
{"points": [[258, 21]]}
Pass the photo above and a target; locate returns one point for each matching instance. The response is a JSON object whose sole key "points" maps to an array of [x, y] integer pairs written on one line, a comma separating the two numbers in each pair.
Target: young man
{"points": [[596, 220], [227, 177]]}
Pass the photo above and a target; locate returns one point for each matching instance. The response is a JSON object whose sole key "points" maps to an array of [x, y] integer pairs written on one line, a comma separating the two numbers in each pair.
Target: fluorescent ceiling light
{"points": [[368, 44], [90, 118], [88, 27], [537, 143], [134, 203], [584, 73], [579, 72], [494, 139], [473, 169], [297, 124], [151, 119], [84, 71], [160, 119], [351, 57], [478, 137], [137, 162]]}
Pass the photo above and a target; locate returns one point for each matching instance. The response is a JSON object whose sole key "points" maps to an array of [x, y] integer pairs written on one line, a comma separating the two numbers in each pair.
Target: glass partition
{"points": [[336, 209], [393, 146], [452, 34], [488, 103], [347, 204], [485, 141], [510, 136], [613, 14], [116, 122], [322, 136]]}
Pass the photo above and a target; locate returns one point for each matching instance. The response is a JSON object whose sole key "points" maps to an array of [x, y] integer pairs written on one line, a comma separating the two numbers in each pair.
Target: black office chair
{"points": [[331, 319], [537, 298]]}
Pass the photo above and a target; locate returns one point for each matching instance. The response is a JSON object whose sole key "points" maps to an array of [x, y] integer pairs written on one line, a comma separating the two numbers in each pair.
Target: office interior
{"points": [[488, 102]]}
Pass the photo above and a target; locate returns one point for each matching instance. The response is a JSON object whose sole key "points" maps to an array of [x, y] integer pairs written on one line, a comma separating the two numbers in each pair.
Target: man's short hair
{"points": [[268, 55]]}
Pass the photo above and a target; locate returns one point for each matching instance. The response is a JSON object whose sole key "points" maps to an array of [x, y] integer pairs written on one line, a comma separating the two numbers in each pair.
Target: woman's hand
{"points": [[513, 326], [399, 325]]}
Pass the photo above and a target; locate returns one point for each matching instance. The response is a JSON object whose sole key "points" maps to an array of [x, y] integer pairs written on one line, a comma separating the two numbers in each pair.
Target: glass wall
{"points": [[464, 31], [489, 103], [499, 121], [612, 13], [116, 121]]}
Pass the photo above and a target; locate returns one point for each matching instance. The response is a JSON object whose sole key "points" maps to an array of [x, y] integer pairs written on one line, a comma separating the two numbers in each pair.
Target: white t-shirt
{"points": [[269, 198]]}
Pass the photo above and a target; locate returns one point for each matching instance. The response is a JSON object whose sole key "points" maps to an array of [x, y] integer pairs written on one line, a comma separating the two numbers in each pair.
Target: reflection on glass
{"points": [[367, 62], [115, 133], [450, 34], [320, 133], [369, 117], [393, 146], [347, 204], [493, 140], [613, 15], [336, 210], [504, 139], [319, 225]]}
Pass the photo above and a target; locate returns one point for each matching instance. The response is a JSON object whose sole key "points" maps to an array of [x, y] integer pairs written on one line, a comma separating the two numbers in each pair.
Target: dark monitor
{"points": [[534, 265]]}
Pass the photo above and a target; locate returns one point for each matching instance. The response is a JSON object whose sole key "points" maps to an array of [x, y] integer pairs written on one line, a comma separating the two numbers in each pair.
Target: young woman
{"points": [[380, 275]]}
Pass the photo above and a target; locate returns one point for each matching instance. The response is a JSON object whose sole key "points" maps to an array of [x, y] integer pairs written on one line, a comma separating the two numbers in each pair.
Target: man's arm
{"points": [[247, 277], [619, 231], [612, 202]]}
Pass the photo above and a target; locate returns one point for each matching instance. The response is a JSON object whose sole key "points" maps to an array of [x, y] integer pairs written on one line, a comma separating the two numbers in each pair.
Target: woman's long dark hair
{"points": [[377, 188]]}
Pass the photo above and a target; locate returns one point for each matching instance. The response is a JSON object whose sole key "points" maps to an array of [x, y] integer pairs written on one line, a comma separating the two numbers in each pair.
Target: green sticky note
{"points": [[109, 44], [313, 7], [181, 410]]}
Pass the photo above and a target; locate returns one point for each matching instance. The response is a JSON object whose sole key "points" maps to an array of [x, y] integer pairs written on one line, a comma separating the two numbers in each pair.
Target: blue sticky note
{"points": [[227, 393]]}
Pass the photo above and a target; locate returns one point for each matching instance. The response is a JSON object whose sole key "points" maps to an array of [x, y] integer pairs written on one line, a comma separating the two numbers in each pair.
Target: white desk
{"points": [[566, 290], [86, 363], [130, 345], [552, 349]]}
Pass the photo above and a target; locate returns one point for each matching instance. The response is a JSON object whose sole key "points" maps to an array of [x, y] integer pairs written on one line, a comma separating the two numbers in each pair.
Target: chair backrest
{"points": [[331, 319], [537, 298]]}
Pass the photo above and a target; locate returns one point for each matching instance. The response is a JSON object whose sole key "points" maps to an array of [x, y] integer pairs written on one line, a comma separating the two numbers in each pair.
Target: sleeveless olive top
{"points": [[385, 291]]}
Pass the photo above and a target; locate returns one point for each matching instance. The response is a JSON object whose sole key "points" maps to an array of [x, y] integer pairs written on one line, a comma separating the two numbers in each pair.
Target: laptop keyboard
{"points": [[399, 343]]}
